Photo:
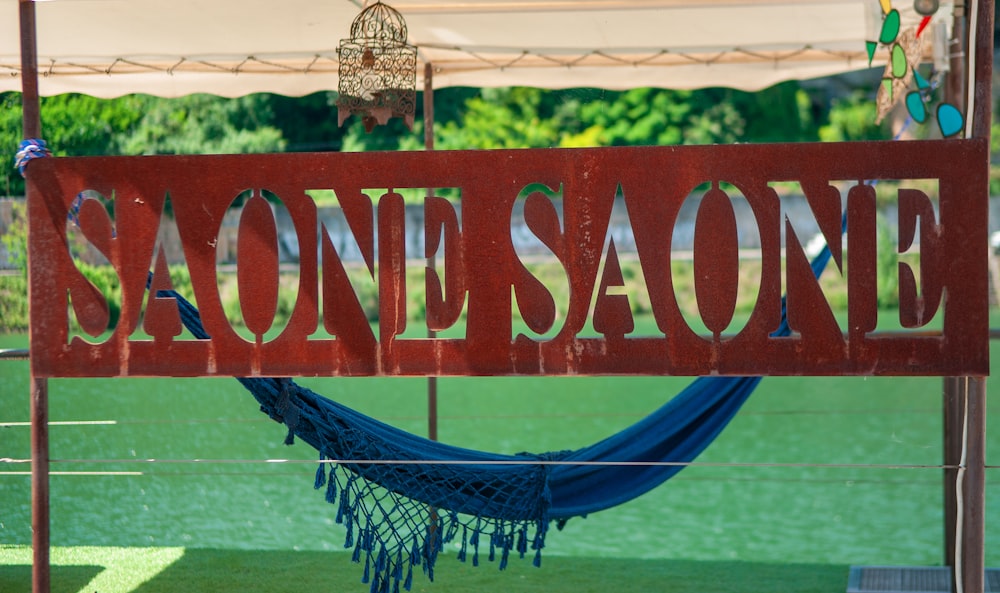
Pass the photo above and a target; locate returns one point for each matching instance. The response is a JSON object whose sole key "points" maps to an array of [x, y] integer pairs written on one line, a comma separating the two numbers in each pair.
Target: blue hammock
{"points": [[401, 497]]}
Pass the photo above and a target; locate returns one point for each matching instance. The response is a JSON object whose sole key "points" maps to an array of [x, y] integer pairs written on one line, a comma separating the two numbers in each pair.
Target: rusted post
{"points": [[953, 404], [972, 498], [428, 106], [41, 575], [972, 485], [432, 403], [965, 485], [31, 120], [981, 82], [41, 578], [432, 384], [968, 85]]}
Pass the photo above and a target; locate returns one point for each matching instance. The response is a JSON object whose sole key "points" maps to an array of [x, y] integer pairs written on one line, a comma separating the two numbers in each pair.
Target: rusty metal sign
{"points": [[481, 282]]}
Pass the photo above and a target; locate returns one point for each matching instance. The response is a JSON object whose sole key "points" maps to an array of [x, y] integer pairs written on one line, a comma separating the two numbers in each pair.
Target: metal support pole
{"points": [[432, 400], [972, 470], [41, 574], [30, 119], [965, 397], [432, 382], [974, 490], [980, 79], [428, 106], [41, 571], [968, 561], [965, 481], [952, 421]]}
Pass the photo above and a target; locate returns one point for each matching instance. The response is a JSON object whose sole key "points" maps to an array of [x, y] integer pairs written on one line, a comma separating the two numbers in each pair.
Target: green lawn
{"points": [[212, 526], [163, 570]]}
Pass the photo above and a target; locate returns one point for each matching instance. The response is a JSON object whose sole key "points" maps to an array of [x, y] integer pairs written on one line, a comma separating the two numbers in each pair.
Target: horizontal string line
{"points": [[683, 478], [62, 423], [497, 462], [80, 474], [23, 424]]}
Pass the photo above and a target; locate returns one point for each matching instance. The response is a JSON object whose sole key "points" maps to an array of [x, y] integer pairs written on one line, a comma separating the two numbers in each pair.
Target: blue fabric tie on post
{"points": [[30, 149], [34, 148]]}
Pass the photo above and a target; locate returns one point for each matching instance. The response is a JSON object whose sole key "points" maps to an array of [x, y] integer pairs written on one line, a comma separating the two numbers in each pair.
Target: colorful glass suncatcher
{"points": [[906, 47]]}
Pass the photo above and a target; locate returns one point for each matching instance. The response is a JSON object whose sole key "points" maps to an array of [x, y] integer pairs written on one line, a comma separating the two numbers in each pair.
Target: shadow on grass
{"points": [[225, 571], [65, 579]]}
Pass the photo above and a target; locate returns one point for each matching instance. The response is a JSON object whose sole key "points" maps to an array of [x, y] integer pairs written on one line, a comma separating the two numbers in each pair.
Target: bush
{"points": [[887, 284], [14, 287], [14, 241], [13, 303]]}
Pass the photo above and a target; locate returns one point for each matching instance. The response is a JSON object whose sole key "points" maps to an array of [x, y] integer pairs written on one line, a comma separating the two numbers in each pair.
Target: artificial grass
{"points": [[162, 570], [713, 529]]}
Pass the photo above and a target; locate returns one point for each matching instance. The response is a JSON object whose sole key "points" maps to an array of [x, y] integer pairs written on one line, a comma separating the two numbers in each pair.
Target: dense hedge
{"points": [[13, 303]]}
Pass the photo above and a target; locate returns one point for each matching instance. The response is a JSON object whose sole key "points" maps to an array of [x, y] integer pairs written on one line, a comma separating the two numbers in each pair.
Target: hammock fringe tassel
{"points": [[371, 517], [391, 532]]}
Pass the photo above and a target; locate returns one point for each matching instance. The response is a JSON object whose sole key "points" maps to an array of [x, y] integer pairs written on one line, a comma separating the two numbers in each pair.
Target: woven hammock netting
{"points": [[402, 497]]}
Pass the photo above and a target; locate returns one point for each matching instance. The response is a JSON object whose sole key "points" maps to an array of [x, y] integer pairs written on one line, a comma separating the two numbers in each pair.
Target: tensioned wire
{"points": [[846, 481], [462, 417], [505, 462], [638, 464]]}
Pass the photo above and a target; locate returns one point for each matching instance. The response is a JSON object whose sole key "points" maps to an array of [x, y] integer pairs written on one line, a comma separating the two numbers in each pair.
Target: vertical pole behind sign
{"points": [[40, 567], [432, 413], [972, 554], [965, 397], [953, 402], [432, 399], [952, 422], [30, 121], [41, 578]]}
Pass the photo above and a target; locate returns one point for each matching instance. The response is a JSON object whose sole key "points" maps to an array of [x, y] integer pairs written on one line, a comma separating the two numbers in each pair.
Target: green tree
{"points": [[719, 124], [307, 123], [635, 117], [80, 125], [782, 113], [852, 118], [205, 124], [11, 183], [448, 106], [72, 124], [515, 117], [465, 118]]}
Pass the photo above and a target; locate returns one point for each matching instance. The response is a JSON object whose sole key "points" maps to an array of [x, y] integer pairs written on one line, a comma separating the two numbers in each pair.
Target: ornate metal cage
{"points": [[378, 69]]}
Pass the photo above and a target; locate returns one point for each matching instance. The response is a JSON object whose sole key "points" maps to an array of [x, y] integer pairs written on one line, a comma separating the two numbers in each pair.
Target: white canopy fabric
{"points": [[108, 48]]}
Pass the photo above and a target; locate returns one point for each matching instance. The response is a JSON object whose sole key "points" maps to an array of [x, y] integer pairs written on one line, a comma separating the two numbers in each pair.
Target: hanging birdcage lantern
{"points": [[378, 69]]}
